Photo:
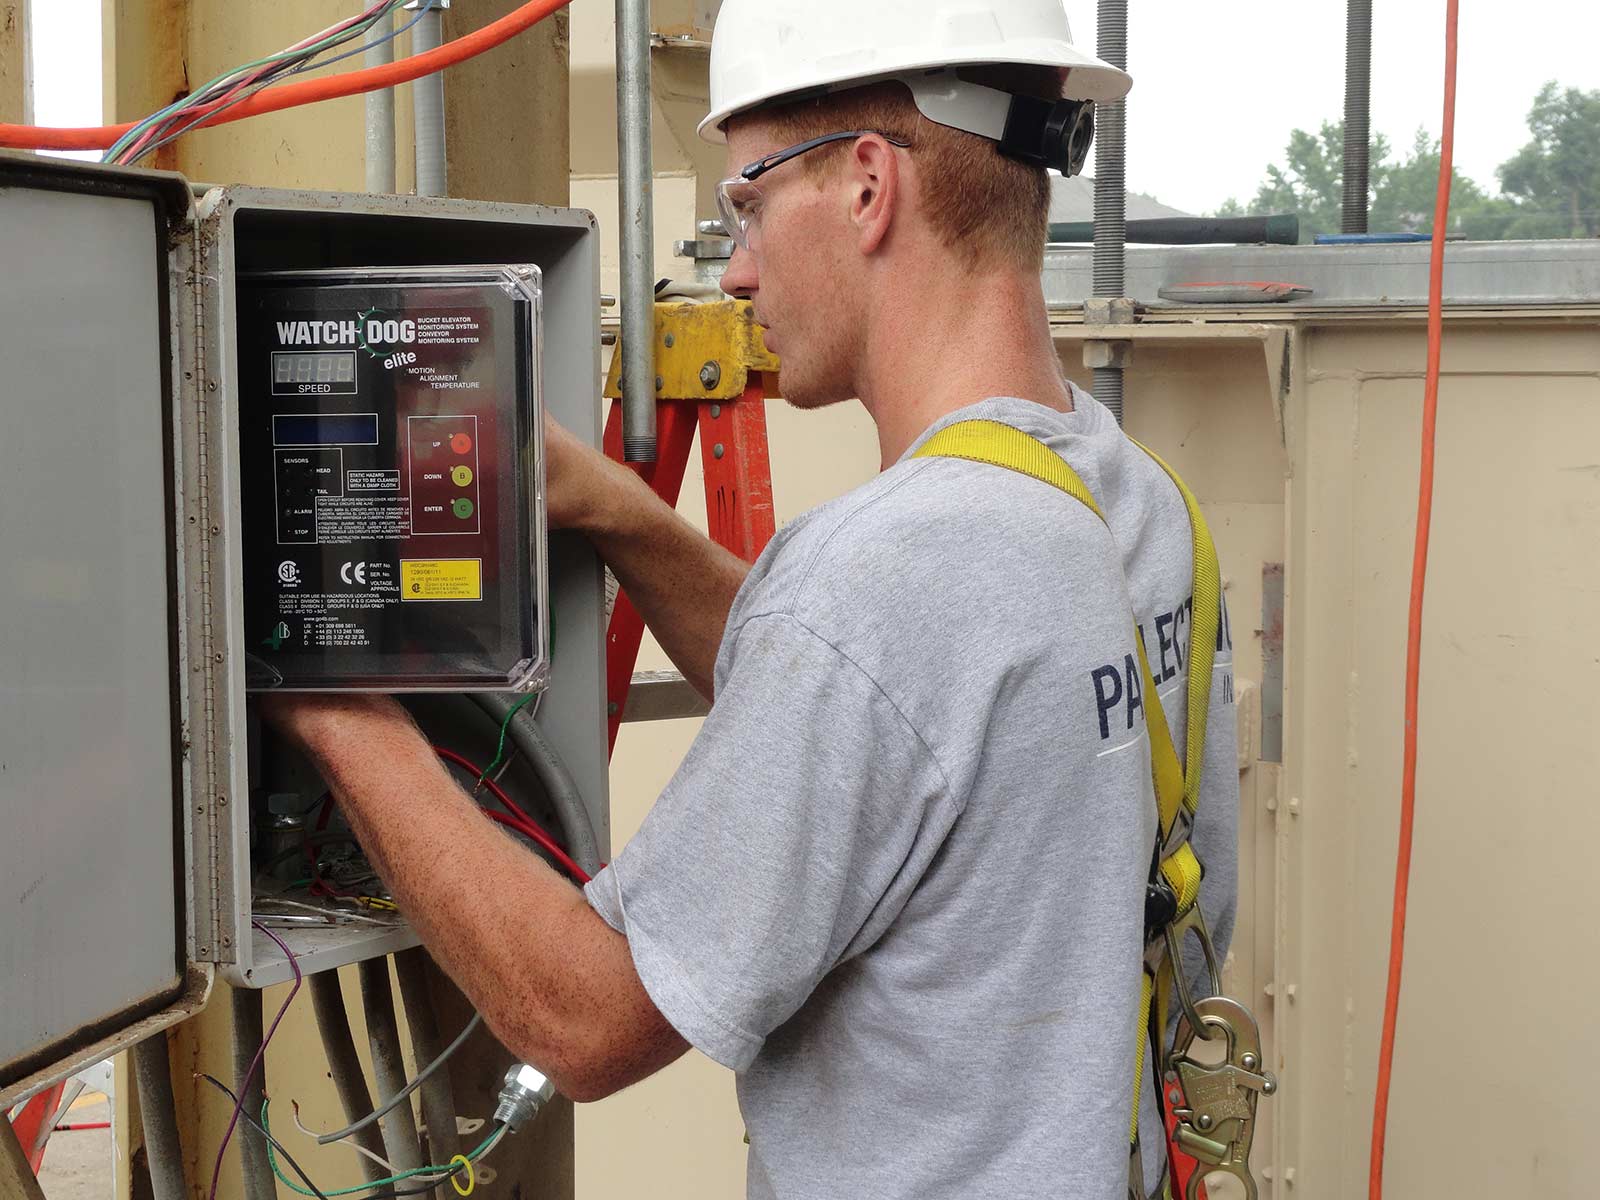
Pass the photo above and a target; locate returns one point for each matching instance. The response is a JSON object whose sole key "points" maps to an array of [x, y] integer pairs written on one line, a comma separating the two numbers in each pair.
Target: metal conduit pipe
{"points": [[438, 1096], [339, 1046], [380, 114], [559, 787], [152, 1074], [636, 219], [399, 1125], [427, 104], [1357, 114], [1110, 188], [248, 1034]]}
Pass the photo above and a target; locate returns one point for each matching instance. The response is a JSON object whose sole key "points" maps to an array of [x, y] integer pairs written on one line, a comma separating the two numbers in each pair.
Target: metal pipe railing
{"points": [[438, 1096], [399, 1125], [1278, 230], [1110, 189], [636, 220], [339, 1047], [248, 1036], [427, 103], [380, 114], [152, 1075]]}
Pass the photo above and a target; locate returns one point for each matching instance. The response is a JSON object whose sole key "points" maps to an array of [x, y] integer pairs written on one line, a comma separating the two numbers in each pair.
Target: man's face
{"points": [[798, 271]]}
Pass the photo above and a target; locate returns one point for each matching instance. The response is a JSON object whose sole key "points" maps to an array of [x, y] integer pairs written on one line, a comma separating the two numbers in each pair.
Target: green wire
{"points": [[505, 726], [446, 1172], [196, 98]]}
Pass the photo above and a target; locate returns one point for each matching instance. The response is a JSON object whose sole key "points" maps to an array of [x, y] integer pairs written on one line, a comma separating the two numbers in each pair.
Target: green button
{"points": [[462, 507]]}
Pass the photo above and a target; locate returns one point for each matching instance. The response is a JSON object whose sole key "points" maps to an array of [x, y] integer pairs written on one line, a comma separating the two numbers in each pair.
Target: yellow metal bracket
{"points": [[703, 352]]}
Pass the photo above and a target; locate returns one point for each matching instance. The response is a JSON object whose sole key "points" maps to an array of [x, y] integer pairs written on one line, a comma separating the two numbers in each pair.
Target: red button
{"points": [[461, 443]]}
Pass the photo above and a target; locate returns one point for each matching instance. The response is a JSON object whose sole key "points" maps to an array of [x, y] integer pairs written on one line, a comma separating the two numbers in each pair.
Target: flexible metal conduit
{"points": [[636, 220], [438, 1096], [152, 1072], [339, 1046], [1357, 113], [388, 1068], [1110, 188], [380, 115], [248, 1035], [427, 104]]}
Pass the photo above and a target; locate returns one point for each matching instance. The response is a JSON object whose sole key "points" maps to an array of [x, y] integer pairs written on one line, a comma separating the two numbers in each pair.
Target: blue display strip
{"points": [[325, 429]]}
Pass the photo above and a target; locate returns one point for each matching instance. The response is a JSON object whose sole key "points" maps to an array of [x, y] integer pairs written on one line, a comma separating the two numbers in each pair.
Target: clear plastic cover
{"points": [[392, 479]]}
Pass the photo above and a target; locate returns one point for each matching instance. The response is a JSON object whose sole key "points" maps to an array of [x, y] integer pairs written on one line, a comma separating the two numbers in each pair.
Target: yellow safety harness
{"points": [[1172, 907]]}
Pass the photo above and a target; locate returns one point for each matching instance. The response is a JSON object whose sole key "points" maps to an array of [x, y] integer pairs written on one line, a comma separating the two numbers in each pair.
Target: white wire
{"points": [[384, 1162]]}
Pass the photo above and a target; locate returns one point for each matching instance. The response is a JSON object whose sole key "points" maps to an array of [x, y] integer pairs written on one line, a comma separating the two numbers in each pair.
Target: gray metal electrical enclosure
{"points": [[125, 776]]}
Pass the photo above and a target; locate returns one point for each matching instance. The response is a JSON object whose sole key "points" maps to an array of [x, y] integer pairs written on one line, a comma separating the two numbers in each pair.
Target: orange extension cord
{"points": [[1419, 579], [292, 95]]}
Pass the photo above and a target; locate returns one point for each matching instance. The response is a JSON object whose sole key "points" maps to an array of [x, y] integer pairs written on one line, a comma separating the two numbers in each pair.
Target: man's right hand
{"points": [[580, 483]]}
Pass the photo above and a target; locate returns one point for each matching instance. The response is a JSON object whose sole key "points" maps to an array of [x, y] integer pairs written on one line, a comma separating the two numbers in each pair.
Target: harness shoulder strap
{"points": [[1205, 618], [1177, 784]]}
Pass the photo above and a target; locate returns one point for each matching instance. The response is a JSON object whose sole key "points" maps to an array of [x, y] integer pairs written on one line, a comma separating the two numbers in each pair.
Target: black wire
{"points": [[276, 1144], [306, 1179]]}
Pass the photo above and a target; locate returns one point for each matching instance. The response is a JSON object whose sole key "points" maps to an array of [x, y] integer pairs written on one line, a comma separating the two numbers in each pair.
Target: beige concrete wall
{"points": [[506, 111], [16, 100], [1492, 1068]]}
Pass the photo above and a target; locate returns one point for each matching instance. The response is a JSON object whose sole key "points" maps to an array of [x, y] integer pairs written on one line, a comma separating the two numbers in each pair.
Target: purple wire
{"points": [[255, 1063]]}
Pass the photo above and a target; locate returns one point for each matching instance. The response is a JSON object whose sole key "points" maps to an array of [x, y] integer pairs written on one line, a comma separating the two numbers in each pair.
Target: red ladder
{"points": [[713, 368]]}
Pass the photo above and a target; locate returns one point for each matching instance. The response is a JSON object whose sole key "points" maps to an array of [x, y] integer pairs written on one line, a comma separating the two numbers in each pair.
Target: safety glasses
{"points": [[739, 199]]}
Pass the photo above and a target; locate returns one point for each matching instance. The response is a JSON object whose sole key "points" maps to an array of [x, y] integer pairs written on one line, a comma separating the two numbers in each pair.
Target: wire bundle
{"points": [[236, 86]]}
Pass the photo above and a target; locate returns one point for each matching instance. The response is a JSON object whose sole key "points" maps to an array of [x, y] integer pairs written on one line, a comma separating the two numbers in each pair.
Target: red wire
{"points": [[1419, 579], [311, 91], [520, 820]]}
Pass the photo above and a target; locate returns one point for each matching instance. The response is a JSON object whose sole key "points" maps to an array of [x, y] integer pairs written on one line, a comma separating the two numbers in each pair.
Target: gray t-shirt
{"points": [[897, 884]]}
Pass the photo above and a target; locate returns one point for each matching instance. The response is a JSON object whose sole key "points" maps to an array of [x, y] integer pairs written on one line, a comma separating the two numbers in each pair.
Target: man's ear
{"points": [[874, 181]]}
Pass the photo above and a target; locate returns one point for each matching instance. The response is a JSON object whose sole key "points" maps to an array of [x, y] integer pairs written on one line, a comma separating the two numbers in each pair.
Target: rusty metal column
{"points": [[636, 220]]}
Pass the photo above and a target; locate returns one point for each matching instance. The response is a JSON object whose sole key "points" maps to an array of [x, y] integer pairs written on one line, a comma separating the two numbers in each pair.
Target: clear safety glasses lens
{"points": [[739, 205]]}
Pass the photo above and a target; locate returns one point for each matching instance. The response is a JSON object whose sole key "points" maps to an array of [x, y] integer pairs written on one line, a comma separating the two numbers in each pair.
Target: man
{"points": [[898, 883]]}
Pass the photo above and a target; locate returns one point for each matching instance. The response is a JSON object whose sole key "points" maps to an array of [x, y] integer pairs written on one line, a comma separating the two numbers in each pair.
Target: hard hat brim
{"points": [[1088, 78]]}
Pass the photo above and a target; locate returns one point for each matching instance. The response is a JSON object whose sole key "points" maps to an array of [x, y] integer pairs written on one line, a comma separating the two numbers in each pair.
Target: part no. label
{"points": [[441, 579]]}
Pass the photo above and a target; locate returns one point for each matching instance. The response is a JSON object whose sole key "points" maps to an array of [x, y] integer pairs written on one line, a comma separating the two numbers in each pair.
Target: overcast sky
{"points": [[1217, 86]]}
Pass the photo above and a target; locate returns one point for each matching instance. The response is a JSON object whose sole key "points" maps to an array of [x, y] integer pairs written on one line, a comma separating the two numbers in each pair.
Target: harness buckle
{"points": [[1193, 922], [1215, 1103]]}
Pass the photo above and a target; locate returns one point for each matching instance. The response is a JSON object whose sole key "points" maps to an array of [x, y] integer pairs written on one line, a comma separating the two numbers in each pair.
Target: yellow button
{"points": [[462, 476]]}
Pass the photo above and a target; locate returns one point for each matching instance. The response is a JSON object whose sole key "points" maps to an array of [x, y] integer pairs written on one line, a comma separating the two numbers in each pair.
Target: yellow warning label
{"points": [[441, 579]]}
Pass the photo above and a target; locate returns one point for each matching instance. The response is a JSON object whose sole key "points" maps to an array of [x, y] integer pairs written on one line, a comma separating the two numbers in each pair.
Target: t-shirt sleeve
{"points": [[800, 821]]}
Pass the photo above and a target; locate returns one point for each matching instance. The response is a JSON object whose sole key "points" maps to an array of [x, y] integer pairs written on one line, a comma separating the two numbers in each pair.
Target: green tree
{"points": [[1310, 180], [1404, 197], [1554, 181], [1400, 194]]}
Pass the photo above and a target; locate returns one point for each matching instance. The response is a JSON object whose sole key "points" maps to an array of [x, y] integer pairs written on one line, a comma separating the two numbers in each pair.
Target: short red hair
{"points": [[991, 206]]}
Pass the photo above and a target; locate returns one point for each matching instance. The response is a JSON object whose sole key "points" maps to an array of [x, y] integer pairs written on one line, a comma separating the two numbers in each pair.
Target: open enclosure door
{"points": [[93, 934]]}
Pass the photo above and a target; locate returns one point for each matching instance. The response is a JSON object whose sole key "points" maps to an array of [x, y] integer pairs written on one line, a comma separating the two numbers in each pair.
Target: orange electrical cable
{"points": [[1419, 579], [311, 91]]}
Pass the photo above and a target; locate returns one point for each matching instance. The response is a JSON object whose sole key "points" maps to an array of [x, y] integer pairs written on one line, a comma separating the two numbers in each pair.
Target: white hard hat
{"points": [[766, 50]]}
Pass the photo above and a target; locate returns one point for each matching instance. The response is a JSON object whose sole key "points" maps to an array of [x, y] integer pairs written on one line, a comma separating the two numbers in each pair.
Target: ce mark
{"points": [[354, 573]]}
